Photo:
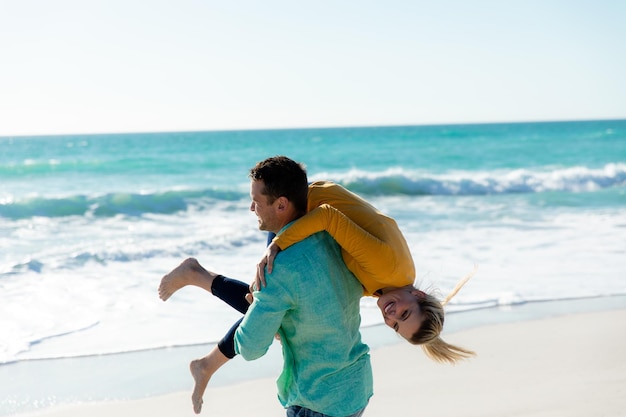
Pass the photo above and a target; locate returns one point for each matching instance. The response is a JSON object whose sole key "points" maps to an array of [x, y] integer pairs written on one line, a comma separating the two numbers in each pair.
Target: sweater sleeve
{"points": [[372, 254]]}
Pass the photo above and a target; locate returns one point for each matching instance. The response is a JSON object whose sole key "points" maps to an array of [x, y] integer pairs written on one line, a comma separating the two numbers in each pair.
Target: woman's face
{"points": [[400, 311]]}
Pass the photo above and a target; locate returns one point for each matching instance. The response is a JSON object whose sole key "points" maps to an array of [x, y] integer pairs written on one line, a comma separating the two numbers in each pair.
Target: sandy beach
{"points": [[563, 366]]}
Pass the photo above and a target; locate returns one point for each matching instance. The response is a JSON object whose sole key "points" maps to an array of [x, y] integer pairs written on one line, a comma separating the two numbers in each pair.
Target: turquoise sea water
{"points": [[90, 223]]}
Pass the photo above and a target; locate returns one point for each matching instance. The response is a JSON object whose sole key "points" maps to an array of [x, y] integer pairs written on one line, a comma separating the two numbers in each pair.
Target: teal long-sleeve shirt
{"points": [[312, 301]]}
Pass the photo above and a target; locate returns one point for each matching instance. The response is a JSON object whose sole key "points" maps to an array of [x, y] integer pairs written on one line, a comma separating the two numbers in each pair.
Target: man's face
{"points": [[265, 212]]}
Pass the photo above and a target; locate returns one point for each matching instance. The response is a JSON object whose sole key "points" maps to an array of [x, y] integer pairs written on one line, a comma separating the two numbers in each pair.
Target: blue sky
{"points": [[81, 66]]}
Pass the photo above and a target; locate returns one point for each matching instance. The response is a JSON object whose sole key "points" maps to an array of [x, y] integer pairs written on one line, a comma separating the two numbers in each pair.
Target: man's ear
{"points": [[283, 203]]}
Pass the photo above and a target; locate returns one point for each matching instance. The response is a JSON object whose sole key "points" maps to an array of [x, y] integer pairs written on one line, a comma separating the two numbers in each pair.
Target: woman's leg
{"points": [[202, 370], [231, 291]]}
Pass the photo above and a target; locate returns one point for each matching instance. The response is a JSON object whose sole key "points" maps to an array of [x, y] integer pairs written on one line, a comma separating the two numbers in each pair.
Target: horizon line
{"points": [[338, 127]]}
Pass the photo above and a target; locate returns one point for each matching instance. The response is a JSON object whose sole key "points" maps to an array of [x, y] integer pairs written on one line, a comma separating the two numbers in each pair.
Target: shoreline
{"points": [[161, 377]]}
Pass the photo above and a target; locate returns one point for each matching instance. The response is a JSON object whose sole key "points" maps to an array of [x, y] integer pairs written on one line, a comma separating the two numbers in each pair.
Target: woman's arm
{"points": [[373, 255]]}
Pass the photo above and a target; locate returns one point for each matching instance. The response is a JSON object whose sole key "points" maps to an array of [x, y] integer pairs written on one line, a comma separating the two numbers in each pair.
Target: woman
{"points": [[374, 250]]}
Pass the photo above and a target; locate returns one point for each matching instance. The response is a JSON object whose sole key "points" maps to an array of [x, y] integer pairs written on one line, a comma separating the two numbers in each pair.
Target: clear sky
{"points": [[88, 66]]}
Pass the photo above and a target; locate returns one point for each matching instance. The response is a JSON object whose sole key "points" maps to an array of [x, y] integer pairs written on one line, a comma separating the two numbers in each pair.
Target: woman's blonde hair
{"points": [[428, 334]]}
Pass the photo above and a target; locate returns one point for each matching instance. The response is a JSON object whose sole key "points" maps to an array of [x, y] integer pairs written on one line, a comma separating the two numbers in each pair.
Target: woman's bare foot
{"points": [[202, 370], [176, 278], [201, 380], [189, 272]]}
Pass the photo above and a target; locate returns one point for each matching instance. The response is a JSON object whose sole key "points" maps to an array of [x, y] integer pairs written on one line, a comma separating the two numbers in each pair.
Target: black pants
{"points": [[233, 293]]}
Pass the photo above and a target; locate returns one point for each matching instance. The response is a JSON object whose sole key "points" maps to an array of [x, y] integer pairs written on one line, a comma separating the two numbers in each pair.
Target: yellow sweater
{"points": [[373, 247]]}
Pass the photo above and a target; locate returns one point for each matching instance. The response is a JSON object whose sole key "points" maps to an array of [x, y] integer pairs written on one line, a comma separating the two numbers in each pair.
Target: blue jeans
{"points": [[297, 411]]}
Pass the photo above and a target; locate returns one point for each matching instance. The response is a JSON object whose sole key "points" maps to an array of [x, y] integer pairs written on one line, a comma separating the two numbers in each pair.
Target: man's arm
{"points": [[265, 315]]}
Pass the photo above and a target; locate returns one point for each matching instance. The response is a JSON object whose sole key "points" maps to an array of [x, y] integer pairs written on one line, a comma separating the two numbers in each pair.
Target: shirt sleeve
{"points": [[263, 319], [372, 254]]}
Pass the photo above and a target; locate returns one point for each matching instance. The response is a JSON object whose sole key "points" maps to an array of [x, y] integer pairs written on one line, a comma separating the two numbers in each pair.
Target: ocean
{"points": [[90, 223]]}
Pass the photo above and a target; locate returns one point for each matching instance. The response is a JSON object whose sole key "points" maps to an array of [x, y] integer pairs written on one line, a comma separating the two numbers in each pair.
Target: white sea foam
{"points": [[416, 182], [86, 234], [94, 291]]}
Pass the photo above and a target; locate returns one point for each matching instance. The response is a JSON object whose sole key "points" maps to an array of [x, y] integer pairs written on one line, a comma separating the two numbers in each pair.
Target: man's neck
{"points": [[286, 222]]}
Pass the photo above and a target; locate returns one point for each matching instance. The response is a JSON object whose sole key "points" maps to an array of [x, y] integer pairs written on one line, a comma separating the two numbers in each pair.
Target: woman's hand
{"points": [[267, 260]]}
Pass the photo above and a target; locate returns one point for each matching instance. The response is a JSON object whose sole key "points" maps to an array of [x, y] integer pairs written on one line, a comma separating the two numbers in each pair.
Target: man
{"points": [[311, 300]]}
